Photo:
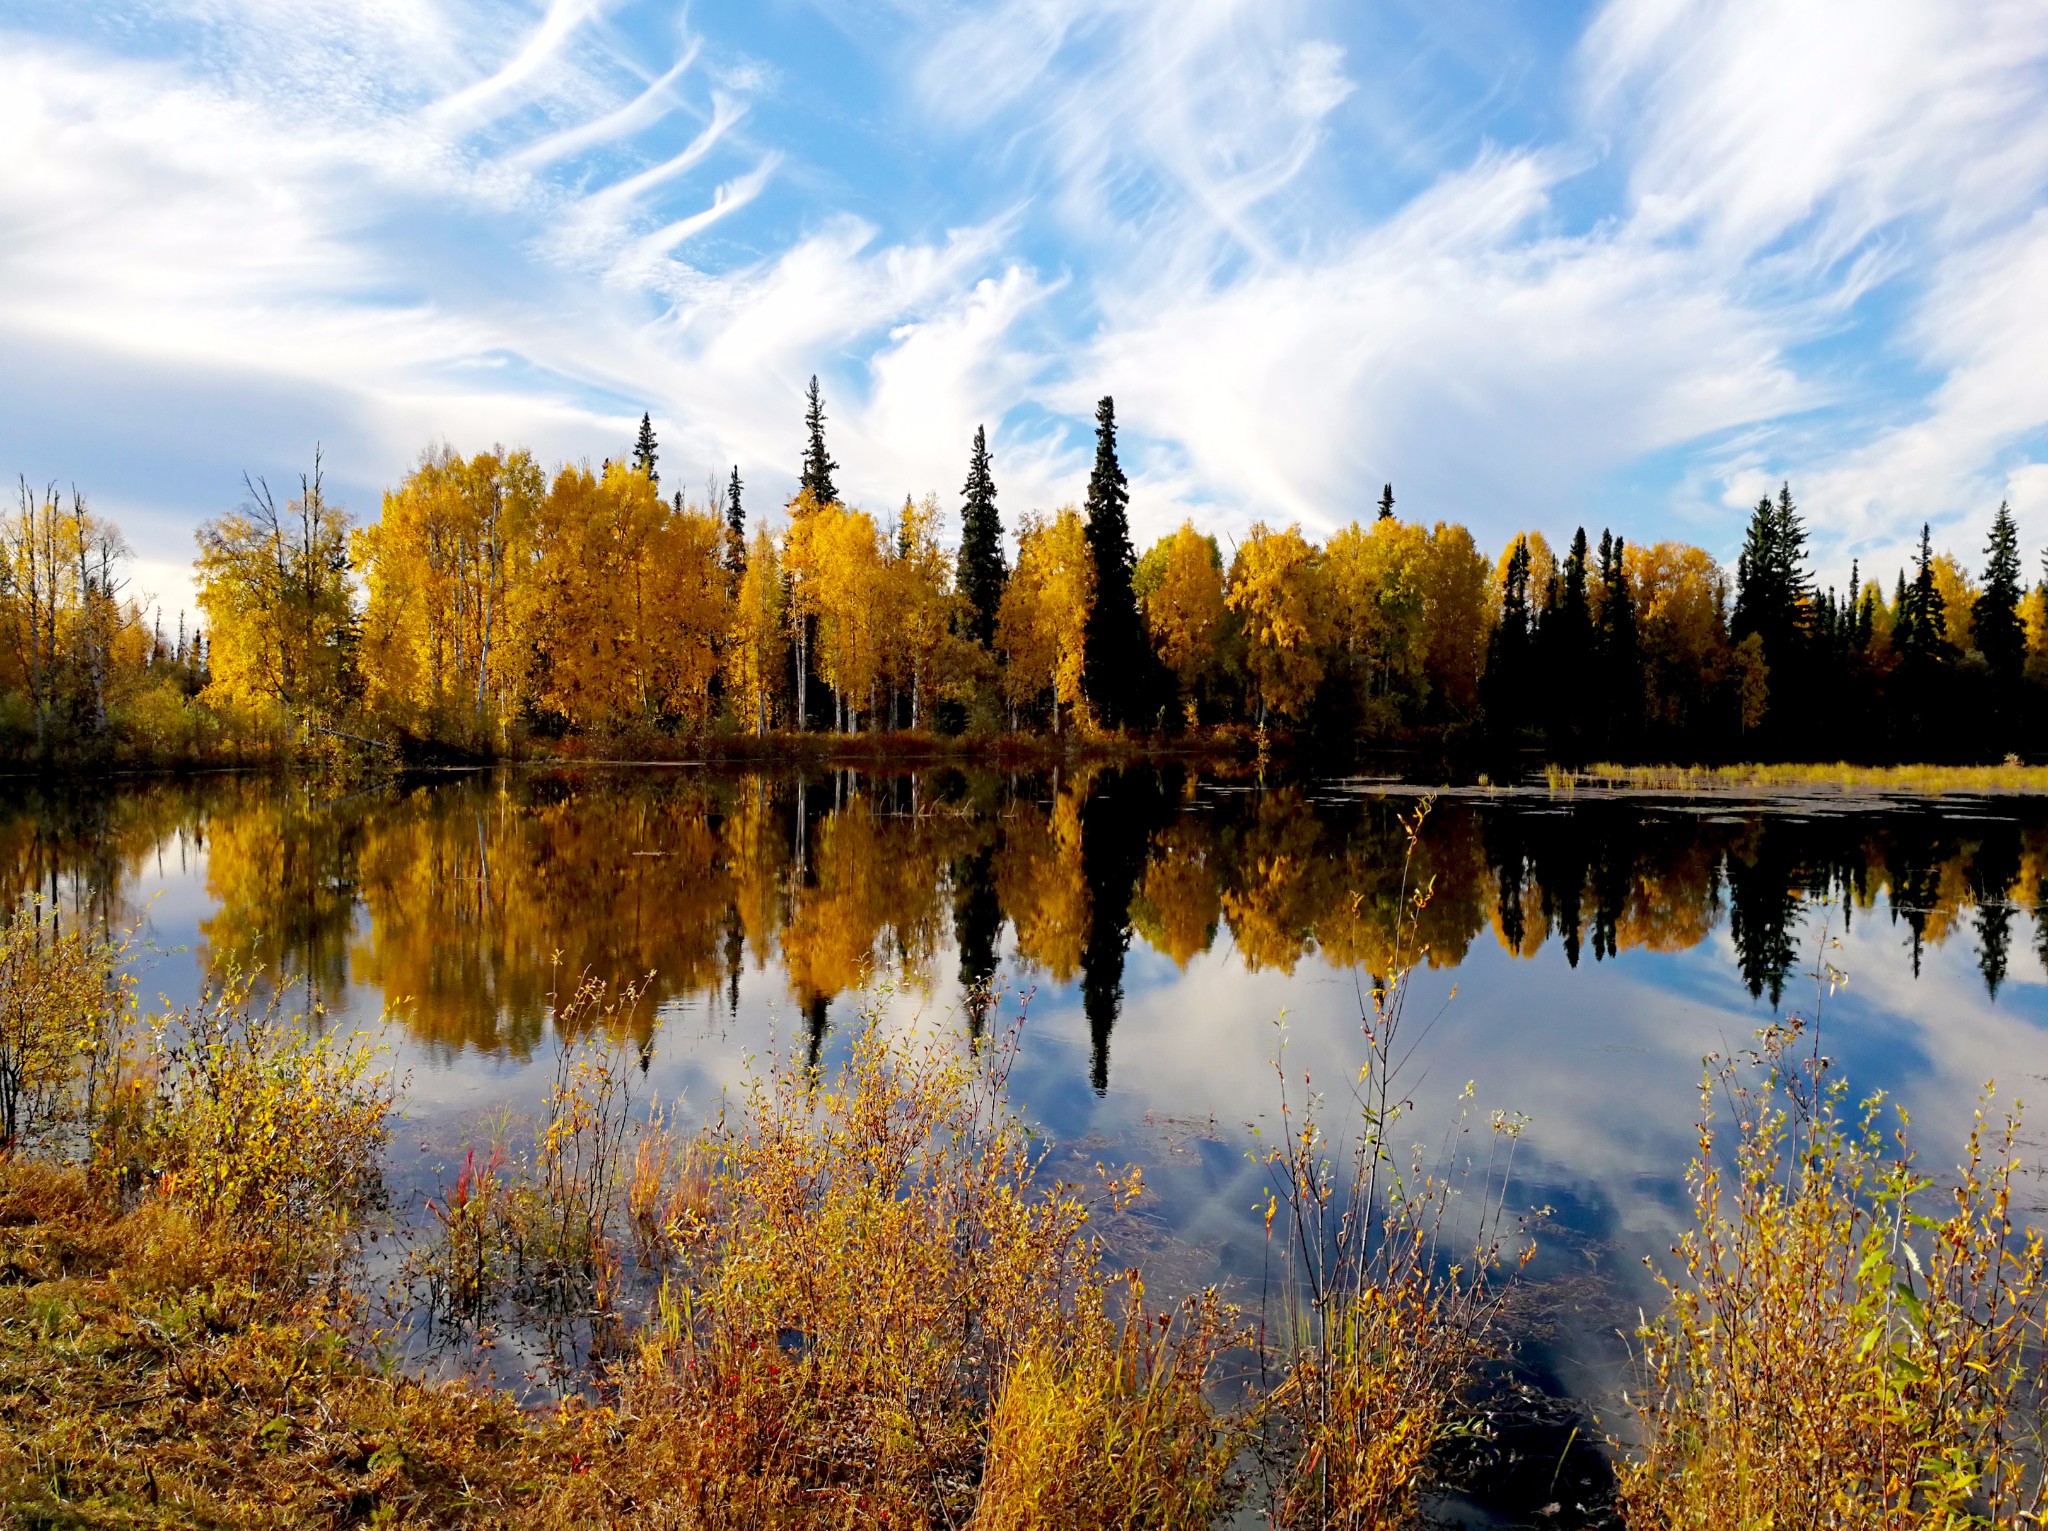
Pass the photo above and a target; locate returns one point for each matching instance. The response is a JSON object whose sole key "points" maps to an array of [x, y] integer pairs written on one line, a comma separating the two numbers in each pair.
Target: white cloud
{"points": [[412, 220]]}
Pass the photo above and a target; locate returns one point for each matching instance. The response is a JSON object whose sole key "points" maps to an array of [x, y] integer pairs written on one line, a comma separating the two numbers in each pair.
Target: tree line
{"points": [[491, 604]]}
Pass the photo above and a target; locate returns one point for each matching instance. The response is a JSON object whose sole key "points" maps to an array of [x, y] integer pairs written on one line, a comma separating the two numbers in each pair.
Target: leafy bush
{"points": [[1850, 1341]]}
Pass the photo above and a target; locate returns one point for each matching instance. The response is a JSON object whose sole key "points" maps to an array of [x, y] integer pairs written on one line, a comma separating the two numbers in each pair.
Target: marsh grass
{"points": [[1839, 776]]}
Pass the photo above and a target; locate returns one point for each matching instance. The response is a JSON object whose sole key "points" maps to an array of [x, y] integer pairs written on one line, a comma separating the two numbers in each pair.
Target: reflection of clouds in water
{"points": [[1160, 933]]}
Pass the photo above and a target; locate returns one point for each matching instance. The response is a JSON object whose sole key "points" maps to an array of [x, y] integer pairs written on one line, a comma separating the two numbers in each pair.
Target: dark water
{"points": [[1577, 957]]}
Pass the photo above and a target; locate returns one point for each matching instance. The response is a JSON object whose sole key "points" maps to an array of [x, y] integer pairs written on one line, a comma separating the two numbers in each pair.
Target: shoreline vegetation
{"points": [[1819, 777], [855, 1296], [492, 611]]}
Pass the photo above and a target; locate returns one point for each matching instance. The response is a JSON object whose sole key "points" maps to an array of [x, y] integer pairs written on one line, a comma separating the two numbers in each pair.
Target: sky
{"points": [[1628, 264]]}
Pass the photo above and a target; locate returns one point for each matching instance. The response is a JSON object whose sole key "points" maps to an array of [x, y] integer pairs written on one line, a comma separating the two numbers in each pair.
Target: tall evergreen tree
{"points": [[818, 463], [1621, 653], [2001, 635], [1771, 589], [1568, 651], [735, 526], [1504, 685], [643, 451], [1387, 503], [982, 568], [1922, 634], [1114, 651]]}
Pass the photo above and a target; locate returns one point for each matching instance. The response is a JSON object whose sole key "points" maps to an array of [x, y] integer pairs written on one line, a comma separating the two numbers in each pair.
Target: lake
{"points": [[1164, 934]]}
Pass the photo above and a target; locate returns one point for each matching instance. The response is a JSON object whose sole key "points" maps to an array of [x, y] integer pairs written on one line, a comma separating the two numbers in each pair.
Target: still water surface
{"points": [[1164, 933]]}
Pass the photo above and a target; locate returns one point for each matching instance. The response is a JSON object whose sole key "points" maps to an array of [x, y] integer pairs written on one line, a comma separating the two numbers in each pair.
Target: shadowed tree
{"points": [[2001, 636], [1116, 834], [1115, 658], [982, 569], [977, 927]]}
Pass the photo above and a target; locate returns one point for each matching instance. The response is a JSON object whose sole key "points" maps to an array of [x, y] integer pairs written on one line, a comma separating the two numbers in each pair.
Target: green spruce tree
{"points": [[982, 568], [1115, 656], [1387, 503], [1925, 625], [643, 451], [1509, 651], [1621, 652], [2000, 633], [818, 463], [735, 527]]}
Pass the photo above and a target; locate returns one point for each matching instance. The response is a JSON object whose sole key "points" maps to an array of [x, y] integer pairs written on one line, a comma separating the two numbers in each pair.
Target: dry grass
{"points": [[1838, 777], [1850, 1341]]}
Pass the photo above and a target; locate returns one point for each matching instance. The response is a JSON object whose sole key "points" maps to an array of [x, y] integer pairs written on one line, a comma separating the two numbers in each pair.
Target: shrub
{"points": [[60, 1005], [1849, 1342], [269, 1134], [1380, 1334]]}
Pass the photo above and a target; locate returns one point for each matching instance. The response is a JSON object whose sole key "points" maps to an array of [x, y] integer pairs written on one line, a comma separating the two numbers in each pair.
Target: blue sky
{"points": [[1626, 264]]}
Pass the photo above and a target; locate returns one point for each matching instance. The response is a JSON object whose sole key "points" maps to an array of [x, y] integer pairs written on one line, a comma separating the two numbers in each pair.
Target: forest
{"points": [[492, 610]]}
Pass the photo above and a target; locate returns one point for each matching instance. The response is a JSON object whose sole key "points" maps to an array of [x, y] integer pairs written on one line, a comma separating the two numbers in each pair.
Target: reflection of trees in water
{"points": [[473, 900]]}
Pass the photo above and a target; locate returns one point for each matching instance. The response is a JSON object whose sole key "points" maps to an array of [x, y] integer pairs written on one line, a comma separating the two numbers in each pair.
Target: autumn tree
{"points": [[921, 608], [1374, 582], [1042, 622], [1457, 618], [1180, 583], [759, 643], [274, 584], [627, 602], [438, 650], [1116, 649], [846, 572], [1680, 595], [1276, 588]]}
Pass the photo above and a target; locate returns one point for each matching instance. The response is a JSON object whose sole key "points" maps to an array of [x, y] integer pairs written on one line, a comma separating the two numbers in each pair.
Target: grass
{"points": [[1839, 777]]}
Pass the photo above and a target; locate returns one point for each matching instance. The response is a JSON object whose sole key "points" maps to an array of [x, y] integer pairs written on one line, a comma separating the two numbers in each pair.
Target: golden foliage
{"points": [[1277, 589], [1185, 608], [1847, 1341], [1044, 611]]}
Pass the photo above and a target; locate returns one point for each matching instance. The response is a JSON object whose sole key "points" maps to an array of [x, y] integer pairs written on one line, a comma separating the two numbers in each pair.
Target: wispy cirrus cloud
{"points": [[1627, 263]]}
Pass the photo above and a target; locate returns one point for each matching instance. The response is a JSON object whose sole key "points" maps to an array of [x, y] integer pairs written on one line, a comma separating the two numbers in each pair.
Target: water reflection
{"points": [[472, 898]]}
